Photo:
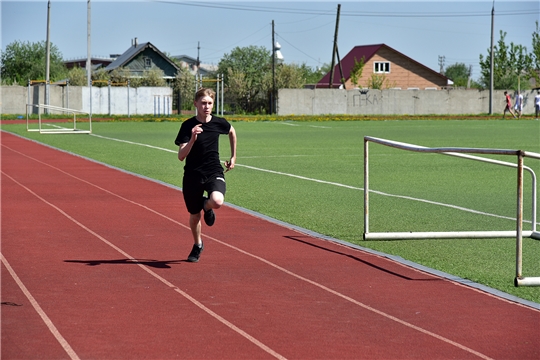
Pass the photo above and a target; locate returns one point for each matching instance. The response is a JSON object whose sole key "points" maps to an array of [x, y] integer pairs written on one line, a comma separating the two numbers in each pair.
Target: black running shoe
{"points": [[209, 217], [195, 253]]}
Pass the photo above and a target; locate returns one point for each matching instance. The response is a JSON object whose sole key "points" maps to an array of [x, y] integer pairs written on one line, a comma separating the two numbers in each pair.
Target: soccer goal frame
{"points": [[519, 233], [59, 130]]}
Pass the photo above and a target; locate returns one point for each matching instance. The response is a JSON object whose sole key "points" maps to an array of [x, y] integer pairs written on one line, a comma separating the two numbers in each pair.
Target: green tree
{"points": [[247, 67], [77, 76], [380, 82], [535, 55], [510, 63], [459, 73], [23, 61], [356, 72], [522, 64], [310, 74], [288, 76], [184, 85]]}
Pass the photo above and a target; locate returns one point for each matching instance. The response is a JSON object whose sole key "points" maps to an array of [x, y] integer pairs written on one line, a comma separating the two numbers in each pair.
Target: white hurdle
{"points": [[73, 130], [464, 153]]}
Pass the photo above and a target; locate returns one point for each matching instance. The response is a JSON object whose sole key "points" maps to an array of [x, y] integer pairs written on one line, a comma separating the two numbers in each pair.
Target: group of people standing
{"points": [[518, 106]]}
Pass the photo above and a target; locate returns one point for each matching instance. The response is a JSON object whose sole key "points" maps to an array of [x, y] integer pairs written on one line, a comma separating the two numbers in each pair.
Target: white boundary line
{"points": [[330, 183], [200, 305], [63, 342]]}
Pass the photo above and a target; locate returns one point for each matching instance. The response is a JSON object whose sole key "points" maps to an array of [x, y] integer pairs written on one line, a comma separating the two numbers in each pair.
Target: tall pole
{"points": [[273, 95], [48, 55], [89, 55], [331, 84], [491, 62], [89, 47], [198, 61]]}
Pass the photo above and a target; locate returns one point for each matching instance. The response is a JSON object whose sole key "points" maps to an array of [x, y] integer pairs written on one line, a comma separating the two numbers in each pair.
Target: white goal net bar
{"points": [[57, 129], [519, 233]]}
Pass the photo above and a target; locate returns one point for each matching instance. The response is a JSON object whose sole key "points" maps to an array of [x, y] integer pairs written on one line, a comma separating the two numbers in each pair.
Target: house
{"points": [[398, 70], [97, 62], [194, 65], [142, 57]]}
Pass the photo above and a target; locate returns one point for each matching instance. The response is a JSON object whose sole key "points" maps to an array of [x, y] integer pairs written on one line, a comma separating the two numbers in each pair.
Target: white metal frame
{"points": [[41, 130], [463, 153]]}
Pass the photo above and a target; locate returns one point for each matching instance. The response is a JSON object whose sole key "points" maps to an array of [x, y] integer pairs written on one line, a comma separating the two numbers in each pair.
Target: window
{"points": [[381, 67], [147, 63]]}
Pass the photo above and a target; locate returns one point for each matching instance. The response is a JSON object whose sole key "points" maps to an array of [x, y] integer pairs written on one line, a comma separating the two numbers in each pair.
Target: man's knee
{"points": [[217, 199]]}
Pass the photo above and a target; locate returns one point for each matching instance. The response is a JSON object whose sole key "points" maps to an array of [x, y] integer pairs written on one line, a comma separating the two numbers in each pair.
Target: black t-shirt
{"points": [[203, 158]]}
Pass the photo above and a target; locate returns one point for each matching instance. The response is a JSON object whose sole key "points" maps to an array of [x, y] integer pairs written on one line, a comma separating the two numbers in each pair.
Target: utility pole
{"points": [[89, 55], [330, 85], [273, 95], [48, 56], [442, 60], [491, 62], [198, 61]]}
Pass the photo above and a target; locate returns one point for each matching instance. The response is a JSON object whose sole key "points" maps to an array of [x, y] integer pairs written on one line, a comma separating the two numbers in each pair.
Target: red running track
{"points": [[93, 267]]}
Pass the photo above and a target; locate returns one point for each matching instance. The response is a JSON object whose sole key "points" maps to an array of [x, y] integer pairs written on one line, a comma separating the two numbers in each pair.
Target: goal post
{"points": [[57, 130], [518, 233]]}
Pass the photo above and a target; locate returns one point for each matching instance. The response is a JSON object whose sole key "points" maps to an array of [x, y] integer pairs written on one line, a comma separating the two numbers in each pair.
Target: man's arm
{"points": [[185, 148], [232, 140]]}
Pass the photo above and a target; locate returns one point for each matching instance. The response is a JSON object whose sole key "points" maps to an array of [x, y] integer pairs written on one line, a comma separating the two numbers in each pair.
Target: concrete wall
{"points": [[387, 102], [105, 100]]}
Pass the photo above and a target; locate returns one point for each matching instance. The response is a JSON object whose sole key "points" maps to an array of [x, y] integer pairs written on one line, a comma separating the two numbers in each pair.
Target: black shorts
{"points": [[193, 188]]}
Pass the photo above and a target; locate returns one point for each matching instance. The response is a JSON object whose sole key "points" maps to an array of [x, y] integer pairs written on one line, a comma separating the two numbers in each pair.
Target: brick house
{"points": [[398, 70]]}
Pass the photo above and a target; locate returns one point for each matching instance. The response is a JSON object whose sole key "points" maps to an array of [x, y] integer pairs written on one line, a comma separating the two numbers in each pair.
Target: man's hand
{"points": [[196, 130], [230, 164]]}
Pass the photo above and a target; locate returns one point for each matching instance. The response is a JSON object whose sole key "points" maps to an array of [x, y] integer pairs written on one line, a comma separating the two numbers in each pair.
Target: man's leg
{"points": [[195, 225]]}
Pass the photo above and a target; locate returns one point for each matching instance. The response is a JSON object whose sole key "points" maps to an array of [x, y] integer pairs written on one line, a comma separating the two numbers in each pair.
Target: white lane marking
{"points": [[63, 342]]}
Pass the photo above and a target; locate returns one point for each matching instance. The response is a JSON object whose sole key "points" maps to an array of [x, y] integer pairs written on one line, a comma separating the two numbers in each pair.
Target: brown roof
{"points": [[366, 51]]}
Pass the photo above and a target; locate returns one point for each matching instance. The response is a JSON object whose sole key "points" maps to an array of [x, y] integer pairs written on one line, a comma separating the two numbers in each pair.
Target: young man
{"points": [[518, 106], [508, 106], [537, 104], [198, 141]]}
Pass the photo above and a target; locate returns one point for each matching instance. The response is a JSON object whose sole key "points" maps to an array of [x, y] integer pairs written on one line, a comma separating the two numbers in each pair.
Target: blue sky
{"points": [[423, 30]]}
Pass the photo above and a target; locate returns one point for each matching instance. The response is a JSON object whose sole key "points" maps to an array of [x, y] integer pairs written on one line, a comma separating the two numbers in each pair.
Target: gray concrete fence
{"points": [[108, 100], [391, 102], [112, 100]]}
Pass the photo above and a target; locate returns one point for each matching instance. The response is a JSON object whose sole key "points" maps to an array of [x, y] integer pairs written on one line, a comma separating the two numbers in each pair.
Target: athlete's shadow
{"points": [[163, 264], [419, 278]]}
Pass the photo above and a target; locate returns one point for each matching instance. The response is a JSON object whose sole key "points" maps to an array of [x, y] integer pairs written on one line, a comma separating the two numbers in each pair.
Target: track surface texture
{"points": [[94, 267]]}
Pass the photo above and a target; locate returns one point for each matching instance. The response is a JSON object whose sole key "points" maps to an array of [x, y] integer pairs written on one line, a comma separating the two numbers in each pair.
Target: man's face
{"points": [[204, 105]]}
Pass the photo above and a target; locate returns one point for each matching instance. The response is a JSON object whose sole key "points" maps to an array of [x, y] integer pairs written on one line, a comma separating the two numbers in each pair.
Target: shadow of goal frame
{"points": [[465, 153]]}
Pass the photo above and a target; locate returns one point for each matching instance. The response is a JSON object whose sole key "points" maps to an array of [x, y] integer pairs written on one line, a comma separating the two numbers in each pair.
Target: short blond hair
{"points": [[202, 92]]}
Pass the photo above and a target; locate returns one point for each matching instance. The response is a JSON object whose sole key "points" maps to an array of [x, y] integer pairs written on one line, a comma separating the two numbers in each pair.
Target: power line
{"points": [[331, 12]]}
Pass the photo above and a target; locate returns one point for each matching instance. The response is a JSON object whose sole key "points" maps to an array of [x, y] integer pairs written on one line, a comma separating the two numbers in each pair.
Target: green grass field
{"points": [[310, 174]]}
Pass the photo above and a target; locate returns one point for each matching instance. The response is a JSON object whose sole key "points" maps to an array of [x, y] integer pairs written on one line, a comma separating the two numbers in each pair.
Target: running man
{"points": [[198, 141]]}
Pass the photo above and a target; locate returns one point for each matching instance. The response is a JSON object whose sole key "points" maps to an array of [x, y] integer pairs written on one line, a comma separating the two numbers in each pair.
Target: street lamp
{"points": [[276, 55]]}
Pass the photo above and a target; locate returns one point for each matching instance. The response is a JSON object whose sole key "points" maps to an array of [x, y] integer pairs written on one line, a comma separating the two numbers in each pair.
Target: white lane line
{"points": [[345, 297], [145, 268], [63, 342], [333, 183]]}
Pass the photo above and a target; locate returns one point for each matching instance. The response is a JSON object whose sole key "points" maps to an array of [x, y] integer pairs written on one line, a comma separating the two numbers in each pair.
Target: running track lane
{"points": [[93, 266]]}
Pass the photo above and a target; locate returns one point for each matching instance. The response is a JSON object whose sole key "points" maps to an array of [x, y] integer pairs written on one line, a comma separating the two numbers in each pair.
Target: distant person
{"points": [[198, 141], [508, 106], [518, 106], [537, 104]]}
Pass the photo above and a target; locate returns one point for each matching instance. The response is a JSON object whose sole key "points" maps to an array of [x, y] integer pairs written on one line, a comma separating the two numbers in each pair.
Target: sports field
{"points": [[310, 174]]}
